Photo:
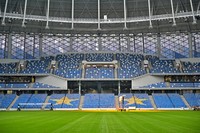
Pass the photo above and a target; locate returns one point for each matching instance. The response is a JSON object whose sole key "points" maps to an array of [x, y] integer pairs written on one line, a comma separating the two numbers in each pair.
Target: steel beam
{"points": [[125, 13], [4, 14], [95, 21], [47, 19], [149, 6], [99, 25], [173, 16], [72, 14], [198, 8], [194, 19], [25, 5]]}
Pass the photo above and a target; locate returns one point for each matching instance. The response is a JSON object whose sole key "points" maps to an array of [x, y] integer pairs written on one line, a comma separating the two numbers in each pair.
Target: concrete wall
{"points": [[193, 60], [9, 60], [53, 80], [146, 80]]}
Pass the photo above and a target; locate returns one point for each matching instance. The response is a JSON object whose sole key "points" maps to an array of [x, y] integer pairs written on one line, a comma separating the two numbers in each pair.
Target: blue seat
{"points": [[6, 100], [162, 101], [176, 100]]}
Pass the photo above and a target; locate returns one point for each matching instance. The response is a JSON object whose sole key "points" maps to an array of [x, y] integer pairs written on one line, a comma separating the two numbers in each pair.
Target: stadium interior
{"points": [[86, 54]]}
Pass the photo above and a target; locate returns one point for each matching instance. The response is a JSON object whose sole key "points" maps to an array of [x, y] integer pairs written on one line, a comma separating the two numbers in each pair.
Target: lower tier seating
{"points": [[192, 99], [64, 101], [135, 100], [72, 101], [23, 98], [176, 100], [99, 101], [162, 101], [6, 100]]}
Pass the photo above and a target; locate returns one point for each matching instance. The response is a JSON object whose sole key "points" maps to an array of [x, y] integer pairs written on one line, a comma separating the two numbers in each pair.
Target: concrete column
{"points": [[9, 46], [190, 45], [72, 14], [71, 43], [99, 11], [40, 46], [119, 87], [128, 44], [158, 46], [79, 87], [99, 43]]}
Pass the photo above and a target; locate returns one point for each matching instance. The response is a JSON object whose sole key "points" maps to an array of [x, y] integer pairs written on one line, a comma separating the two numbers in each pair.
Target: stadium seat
{"points": [[162, 101], [99, 101], [6, 100], [176, 100]]}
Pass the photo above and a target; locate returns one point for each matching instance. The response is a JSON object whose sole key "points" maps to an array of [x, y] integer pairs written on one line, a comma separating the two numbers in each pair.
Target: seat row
{"points": [[129, 65], [73, 101]]}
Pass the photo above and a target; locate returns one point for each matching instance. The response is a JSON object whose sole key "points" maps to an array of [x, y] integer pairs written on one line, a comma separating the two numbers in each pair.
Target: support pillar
{"points": [[79, 87], [4, 14], [119, 87], [190, 45], [158, 45], [9, 56], [40, 46], [72, 14], [99, 26]]}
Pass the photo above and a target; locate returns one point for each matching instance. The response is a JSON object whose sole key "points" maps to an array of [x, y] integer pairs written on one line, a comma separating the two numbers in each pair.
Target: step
{"points": [[185, 101], [13, 102], [152, 102], [116, 102], [81, 102], [46, 101]]}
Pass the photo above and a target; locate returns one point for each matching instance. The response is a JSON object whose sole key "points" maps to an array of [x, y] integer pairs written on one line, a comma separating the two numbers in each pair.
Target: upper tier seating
{"points": [[20, 85], [189, 67], [2, 85], [37, 66], [130, 65], [164, 66], [6, 100], [156, 85], [191, 99], [172, 85], [162, 101], [99, 101], [197, 85], [42, 85], [99, 57], [176, 100], [99, 73], [69, 65], [177, 85], [151, 58], [8, 68]]}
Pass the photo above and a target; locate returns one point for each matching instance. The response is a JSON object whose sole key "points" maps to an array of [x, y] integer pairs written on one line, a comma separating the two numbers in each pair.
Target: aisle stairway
{"points": [[81, 102], [13, 102], [152, 102], [184, 100]]}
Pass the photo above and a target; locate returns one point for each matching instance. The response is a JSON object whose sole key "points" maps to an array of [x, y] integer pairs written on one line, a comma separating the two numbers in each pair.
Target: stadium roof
{"points": [[64, 16]]}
